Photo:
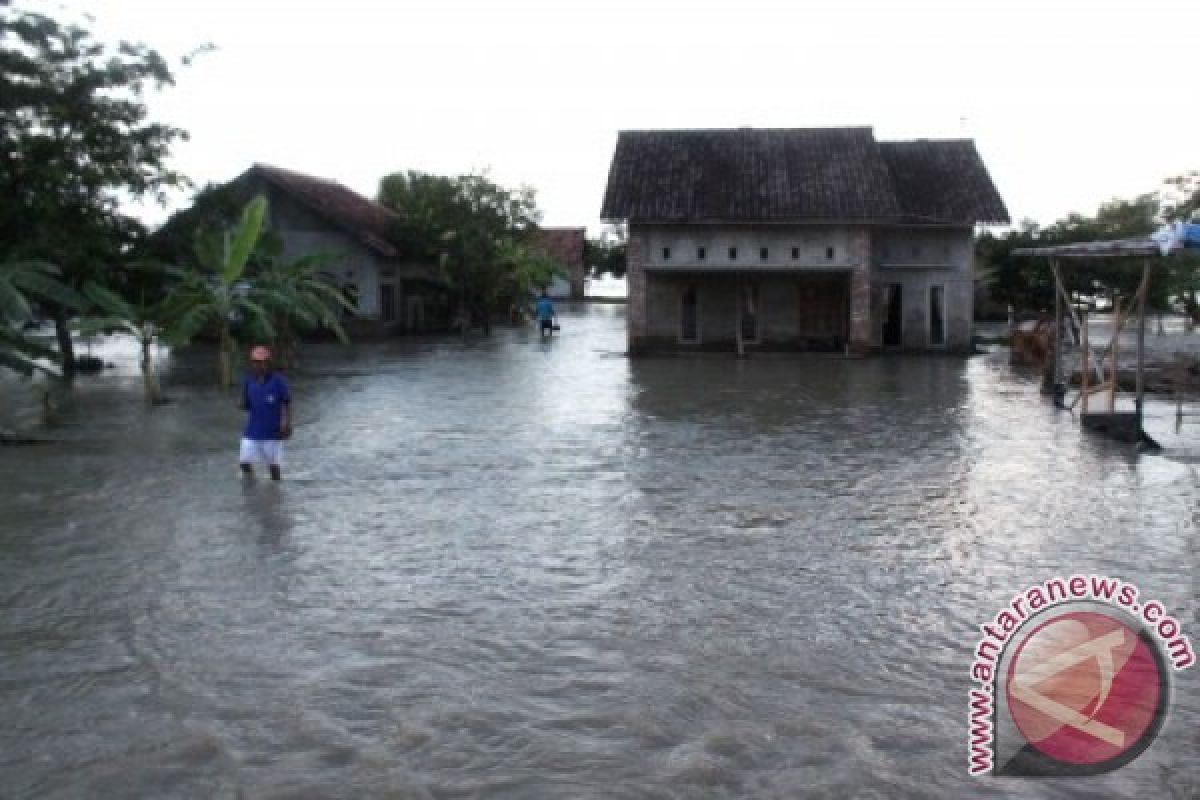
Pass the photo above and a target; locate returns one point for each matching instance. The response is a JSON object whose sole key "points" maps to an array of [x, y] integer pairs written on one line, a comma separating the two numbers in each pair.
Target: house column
{"points": [[635, 285], [861, 319]]}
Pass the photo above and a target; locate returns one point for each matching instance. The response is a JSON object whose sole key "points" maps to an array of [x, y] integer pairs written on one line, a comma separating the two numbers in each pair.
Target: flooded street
{"points": [[512, 568]]}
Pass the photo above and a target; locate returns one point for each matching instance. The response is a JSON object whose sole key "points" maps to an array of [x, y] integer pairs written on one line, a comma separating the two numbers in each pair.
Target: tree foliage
{"points": [[297, 296], [214, 297], [75, 139], [480, 232], [606, 253], [24, 285], [1027, 284]]}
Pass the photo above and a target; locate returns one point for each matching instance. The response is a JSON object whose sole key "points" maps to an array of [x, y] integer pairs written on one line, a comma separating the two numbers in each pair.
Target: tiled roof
{"points": [[798, 174], [942, 180], [562, 244], [365, 220]]}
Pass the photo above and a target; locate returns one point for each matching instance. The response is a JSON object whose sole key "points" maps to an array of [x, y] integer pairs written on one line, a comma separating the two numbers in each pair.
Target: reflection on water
{"points": [[523, 568]]}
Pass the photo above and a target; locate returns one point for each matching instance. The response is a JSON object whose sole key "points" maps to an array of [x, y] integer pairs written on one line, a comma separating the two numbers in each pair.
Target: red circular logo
{"points": [[1084, 688]]}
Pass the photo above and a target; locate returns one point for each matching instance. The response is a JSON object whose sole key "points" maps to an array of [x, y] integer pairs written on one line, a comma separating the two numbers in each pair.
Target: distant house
{"points": [[799, 239], [565, 245], [313, 215]]}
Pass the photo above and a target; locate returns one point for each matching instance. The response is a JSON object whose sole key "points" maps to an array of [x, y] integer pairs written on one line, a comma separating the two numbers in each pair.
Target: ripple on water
{"points": [[522, 569]]}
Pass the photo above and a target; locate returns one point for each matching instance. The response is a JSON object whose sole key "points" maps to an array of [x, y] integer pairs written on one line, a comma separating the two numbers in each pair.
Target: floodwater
{"points": [[513, 568]]}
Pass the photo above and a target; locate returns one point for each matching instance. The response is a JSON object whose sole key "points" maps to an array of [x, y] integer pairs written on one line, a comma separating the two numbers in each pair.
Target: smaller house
{"points": [[566, 246], [314, 215]]}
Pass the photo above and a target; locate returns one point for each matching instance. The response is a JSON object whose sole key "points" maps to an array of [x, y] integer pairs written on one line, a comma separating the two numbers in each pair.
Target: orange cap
{"points": [[260, 353]]}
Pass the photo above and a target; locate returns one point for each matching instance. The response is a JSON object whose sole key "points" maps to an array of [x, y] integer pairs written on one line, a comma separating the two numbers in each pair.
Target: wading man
{"points": [[265, 395], [545, 315]]}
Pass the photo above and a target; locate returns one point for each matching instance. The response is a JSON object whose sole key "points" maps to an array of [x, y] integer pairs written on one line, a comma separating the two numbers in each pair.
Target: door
{"points": [[387, 302], [937, 316], [414, 313], [822, 311], [748, 311], [689, 315], [893, 319]]}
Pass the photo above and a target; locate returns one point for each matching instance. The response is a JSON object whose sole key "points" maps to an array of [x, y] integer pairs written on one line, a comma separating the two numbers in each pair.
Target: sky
{"points": [[1070, 103]]}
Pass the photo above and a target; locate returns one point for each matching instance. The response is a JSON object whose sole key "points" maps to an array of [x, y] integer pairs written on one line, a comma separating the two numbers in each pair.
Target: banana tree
{"points": [[23, 283], [298, 297], [217, 297], [111, 313]]}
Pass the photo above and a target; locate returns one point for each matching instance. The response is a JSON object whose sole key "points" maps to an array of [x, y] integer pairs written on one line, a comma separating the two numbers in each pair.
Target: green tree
{"points": [[297, 296], [606, 253], [143, 321], [1027, 283], [216, 297], [1180, 199], [74, 139], [524, 270], [477, 230], [213, 206], [23, 284]]}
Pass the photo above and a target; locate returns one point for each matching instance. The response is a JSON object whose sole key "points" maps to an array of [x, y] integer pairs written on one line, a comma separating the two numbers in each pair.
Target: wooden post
{"points": [[1083, 367], [1061, 287], [1114, 348], [1141, 344], [1059, 387]]}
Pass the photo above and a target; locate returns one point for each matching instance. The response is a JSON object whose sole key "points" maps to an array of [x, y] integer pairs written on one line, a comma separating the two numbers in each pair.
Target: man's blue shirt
{"points": [[265, 401], [545, 309]]}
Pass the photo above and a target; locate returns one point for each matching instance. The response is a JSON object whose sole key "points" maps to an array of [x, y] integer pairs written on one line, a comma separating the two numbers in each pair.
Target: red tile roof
{"points": [[365, 220]]}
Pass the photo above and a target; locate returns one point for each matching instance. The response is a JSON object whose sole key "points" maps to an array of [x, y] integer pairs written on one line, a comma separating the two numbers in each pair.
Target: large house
{"points": [[312, 215], [799, 239]]}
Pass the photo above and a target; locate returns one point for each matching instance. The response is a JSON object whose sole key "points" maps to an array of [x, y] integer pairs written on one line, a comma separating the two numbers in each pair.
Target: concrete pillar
{"points": [[861, 302], [635, 282]]}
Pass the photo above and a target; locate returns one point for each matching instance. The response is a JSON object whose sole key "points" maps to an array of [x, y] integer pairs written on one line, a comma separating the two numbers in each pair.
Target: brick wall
{"points": [[635, 282]]}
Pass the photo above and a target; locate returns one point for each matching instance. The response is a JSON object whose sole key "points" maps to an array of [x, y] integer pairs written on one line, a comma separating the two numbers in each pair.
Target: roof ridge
{"points": [[751, 128], [308, 194]]}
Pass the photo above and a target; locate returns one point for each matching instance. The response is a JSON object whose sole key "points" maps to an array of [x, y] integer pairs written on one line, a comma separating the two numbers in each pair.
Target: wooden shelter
{"points": [[1100, 411]]}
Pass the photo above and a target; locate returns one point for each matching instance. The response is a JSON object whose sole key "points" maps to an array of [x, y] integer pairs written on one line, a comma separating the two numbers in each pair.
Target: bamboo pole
{"points": [[1058, 387], [1061, 288], [1140, 388], [1083, 368], [1114, 348]]}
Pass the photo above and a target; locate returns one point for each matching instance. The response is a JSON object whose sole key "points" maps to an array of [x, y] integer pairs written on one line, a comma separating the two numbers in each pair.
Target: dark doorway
{"points": [[387, 302], [937, 316], [748, 311], [823, 306], [689, 315], [893, 321]]}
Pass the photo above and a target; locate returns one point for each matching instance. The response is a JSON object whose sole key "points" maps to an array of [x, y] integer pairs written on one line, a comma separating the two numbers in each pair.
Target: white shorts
{"points": [[269, 451]]}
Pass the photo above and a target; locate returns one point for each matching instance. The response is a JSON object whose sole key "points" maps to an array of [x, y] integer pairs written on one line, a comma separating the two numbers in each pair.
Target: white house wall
{"points": [[788, 247], [304, 233], [919, 259]]}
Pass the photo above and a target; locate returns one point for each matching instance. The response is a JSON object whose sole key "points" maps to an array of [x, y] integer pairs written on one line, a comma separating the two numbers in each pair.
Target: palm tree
{"points": [[22, 283], [217, 297]]}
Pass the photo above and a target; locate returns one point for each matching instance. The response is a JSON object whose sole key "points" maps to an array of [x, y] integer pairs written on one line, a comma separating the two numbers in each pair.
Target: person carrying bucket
{"points": [[545, 315]]}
